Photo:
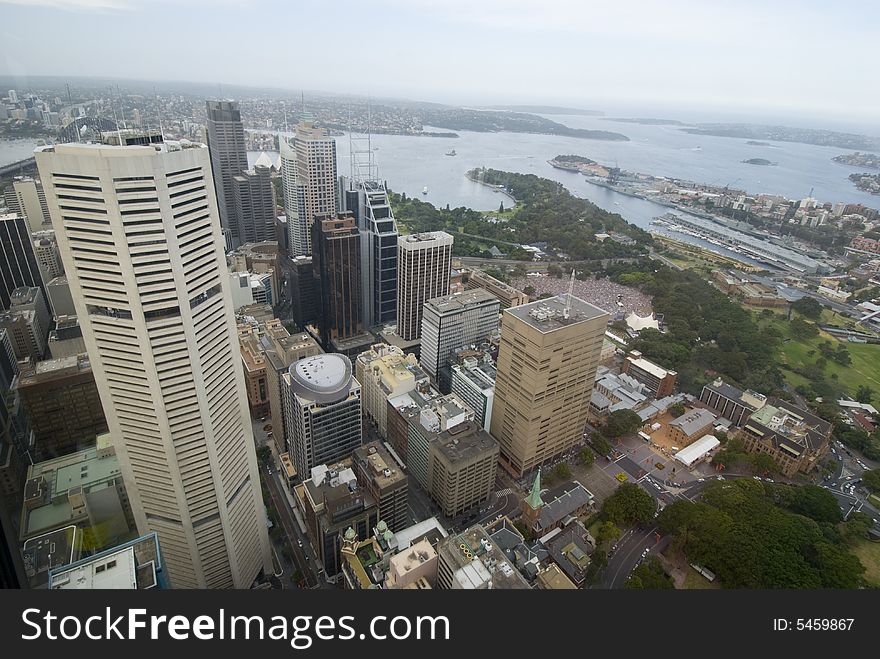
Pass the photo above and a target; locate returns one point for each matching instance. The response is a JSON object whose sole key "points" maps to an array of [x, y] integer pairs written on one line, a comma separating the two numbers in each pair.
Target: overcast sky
{"points": [[769, 58]]}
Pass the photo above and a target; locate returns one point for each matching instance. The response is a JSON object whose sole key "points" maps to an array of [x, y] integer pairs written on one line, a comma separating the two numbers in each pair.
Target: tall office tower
{"points": [[228, 150], [452, 322], [254, 201], [144, 257], [18, 264], [322, 411], [46, 253], [27, 321], [368, 200], [423, 264], [14, 430], [546, 367], [337, 267], [304, 291], [27, 198], [310, 186]]}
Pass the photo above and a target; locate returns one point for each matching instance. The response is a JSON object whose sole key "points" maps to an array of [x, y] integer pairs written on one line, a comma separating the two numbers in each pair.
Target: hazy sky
{"points": [[767, 57]]}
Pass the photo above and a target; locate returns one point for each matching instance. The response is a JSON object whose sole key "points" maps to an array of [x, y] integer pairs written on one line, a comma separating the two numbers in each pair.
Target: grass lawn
{"points": [[696, 581], [869, 554], [865, 367]]}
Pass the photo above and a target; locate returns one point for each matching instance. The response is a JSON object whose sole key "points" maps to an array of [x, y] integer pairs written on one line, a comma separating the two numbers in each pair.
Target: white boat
{"points": [[425, 190]]}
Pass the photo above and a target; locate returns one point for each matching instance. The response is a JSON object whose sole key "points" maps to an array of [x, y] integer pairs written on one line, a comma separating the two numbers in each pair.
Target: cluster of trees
{"points": [[808, 307], [857, 438], [629, 505], [759, 535], [734, 457], [706, 331], [620, 423], [650, 575]]}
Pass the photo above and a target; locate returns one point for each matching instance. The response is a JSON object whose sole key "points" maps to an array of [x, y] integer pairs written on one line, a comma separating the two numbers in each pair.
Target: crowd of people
{"points": [[602, 293]]}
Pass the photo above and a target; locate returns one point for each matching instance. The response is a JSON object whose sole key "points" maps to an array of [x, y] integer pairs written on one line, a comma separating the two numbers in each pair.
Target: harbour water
{"points": [[15, 150]]}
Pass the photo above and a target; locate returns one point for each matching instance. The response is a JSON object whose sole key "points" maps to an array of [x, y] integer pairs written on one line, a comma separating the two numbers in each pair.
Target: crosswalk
{"points": [[504, 492]]}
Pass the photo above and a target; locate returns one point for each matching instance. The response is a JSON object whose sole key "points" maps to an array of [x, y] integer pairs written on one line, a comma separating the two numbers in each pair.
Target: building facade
{"points": [[424, 261], [18, 264], [384, 478], [660, 381], [144, 255], [253, 197], [228, 151], [546, 368]]}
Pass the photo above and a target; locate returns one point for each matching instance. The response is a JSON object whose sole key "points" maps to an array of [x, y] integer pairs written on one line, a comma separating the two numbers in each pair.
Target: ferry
{"points": [[425, 190], [451, 153]]}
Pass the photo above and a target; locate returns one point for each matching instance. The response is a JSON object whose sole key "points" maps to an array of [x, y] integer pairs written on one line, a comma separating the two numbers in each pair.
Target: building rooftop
{"points": [[571, 549], [635, 358], [477, 563], [51, 369], [749, 399], [417, 240], [382, 468], [464, 441], [554, 313], [135, 565], [693, 421], [690, 454], [429, 529], [784, 421], [561, 502], [458, 302], [324, 378]]}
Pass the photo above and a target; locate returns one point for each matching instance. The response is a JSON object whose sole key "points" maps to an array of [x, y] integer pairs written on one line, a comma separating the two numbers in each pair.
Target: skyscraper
{"points": [[336, 263], [225, 134], [308, 175], [423, 264], [452, 322], [144, 256], [27, 198], [254, 199], [322, 411], [368, 200], [546, 367], [18, 264]]}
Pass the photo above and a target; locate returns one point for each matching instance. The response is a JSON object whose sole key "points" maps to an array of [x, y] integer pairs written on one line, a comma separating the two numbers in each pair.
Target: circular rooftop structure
{"points": [[322, 378]]}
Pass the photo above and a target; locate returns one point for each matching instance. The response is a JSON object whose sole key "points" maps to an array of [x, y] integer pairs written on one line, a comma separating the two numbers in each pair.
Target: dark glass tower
{"points": [[225, 134]]}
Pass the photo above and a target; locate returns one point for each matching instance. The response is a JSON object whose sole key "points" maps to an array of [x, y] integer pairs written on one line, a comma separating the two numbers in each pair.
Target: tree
{"points": [[607, 532], [801, 329], [871, 479], [677, 410], [561, 472], [621, 422], [586, 457], [864, 394], [600, 444], [629, 504], [650, 575], [264, 453], [808, 307], [529, 290]]}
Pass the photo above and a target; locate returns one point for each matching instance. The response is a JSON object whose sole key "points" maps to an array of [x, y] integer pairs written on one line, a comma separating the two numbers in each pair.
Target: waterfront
{"points": [[15, 150]]}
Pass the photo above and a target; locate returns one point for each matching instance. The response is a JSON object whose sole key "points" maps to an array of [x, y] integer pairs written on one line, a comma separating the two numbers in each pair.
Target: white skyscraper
{"points": [[139, 234], [424, 261]]}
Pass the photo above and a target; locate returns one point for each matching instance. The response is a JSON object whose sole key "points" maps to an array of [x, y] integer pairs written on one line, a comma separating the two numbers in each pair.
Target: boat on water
{"points": [[425, 190], [451, 153]]}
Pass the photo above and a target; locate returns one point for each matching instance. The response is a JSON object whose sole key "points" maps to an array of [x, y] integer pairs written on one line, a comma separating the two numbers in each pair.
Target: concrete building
{"points": [[15, 434], [452, 322], [613, 392], [147, 274], [470, 561], [424, 261], [333, 502], [462, 466], [61, 400], [383, 477], [546, 368], [84, 490], [660, 381], [46, 252], [134, 565], [18, 264], [690, 426], [474, 381], [260, 258], [60, 301], [66, 340], [308, 176], [27, 199], [228, 152], [322, 411], [542, 513], [385, 372], [731, 403], [253, 197], [507, 296], [253, 360], [796, 439], [27, 323], [281, 349]]}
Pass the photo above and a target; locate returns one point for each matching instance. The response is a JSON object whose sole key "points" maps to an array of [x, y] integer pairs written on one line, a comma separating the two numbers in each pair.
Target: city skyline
{"points": [[602, 52]]}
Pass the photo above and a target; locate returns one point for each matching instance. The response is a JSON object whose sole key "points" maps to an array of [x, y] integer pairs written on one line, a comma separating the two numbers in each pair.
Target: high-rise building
{"points": [[27, 198], [14, 430], [254, 199], [228, 149], [660, 381], [368, 200], [382, 475], [452, 322], [66, 340], [62, 402], [336, 265], [474, 381], [18, 265], [385, 372], [308, 176], [470, 560], [322, 410], [46, 252], [546, 368], [304, 291], [423, 264], [27, 322], [507, 295], [133, 565], [60, 302], [281, 349], [145, 263], [253, 360]]}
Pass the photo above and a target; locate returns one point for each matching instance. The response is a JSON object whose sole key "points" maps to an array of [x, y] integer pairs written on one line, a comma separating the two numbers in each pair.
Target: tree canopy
{"points": [[629, 504]]}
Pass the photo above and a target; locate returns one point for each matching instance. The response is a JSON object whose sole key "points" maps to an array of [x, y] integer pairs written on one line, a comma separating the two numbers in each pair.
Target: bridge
{"points": [[18, 167]]}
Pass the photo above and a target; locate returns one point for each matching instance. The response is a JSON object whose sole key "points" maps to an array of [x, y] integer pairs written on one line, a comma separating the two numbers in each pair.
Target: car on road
{"points": [[757, 478], [299, 542], [701, 480]]}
